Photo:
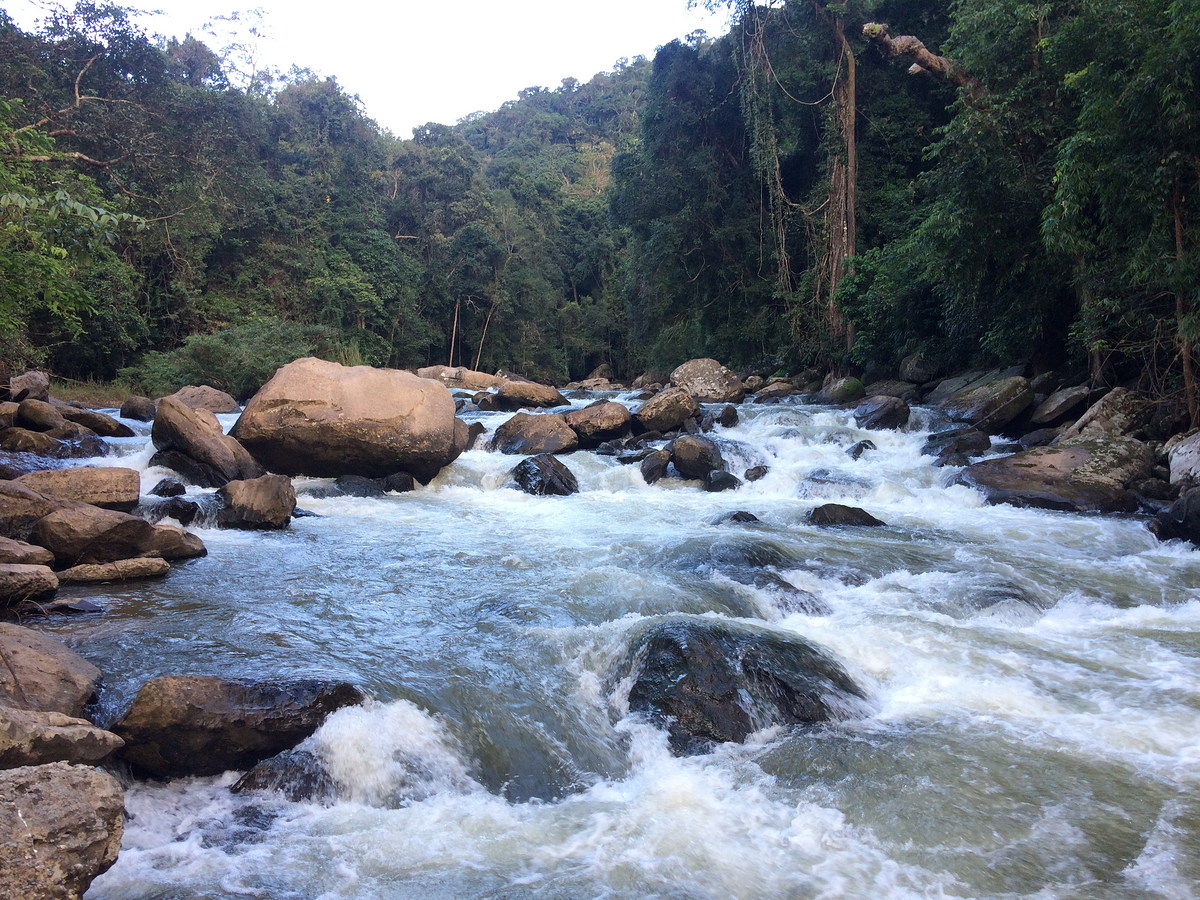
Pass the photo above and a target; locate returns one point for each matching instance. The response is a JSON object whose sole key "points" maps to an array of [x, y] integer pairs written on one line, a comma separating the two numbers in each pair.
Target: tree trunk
{"points": [[841, 217], [1181, 325]]}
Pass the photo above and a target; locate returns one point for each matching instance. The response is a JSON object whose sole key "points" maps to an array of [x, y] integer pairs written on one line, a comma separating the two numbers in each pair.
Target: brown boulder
{"points": [[21, 507], [513, 395], [139, 408], [24, 554], [38, 415], [25, 440], [41, 673], [881, 412], [77, 533], [666, 410], [31, 738], [695, 456], [319, 418], [120, 570], [96, 422], [197, 435], [599, 422], [460, 377], [23, 583], [259, 503], [991, 406], [108, 488], [530, 434], [202, 725], [1059, 405], [708, 381], [33, 385], [201, 396]]}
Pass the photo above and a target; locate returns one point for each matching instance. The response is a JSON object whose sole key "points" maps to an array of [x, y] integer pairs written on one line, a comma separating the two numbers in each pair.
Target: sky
{"points": [[416, 62]]}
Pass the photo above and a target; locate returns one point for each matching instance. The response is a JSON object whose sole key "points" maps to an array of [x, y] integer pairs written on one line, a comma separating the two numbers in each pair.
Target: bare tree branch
{"points": [[925, 61]]}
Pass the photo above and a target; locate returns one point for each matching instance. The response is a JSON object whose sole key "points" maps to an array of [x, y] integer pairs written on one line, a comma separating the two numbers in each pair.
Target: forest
{"points": [[835, 184]]}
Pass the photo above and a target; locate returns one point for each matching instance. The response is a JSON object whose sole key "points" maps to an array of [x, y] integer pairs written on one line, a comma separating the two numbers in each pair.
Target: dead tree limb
{"points": [[925, 61]]}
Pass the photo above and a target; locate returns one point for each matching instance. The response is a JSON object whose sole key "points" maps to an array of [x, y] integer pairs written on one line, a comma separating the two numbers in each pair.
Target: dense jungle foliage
{"points": [[789, 190]]}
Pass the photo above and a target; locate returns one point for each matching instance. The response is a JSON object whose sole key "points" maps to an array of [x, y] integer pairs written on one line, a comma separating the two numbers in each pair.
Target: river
{"points": [[1032, 726]]}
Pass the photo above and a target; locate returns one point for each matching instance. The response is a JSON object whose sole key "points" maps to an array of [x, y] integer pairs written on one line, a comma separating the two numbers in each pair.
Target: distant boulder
{"points": [[709, 381], [30, 385], [1119, 413], [96, 422], [599, 422], [666, 411], [1060, 405], [842, 390], [201, 396], [139, 408], [514, 395], [460, 377], [991, 406]]}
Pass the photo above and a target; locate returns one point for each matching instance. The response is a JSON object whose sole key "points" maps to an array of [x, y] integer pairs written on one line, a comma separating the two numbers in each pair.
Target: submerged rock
{"points": [[297, 774], [710, 682], [836, 514], [545, 475]]}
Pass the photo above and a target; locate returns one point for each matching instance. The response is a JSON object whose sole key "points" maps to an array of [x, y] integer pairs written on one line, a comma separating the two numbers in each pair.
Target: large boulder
{"points": [[460, 377], [32, 738], [106, 487], [41, 673], [545, 476], [202, 396], [709, 381], [601, 421], [32, 385], [711, 682], [1184, 458], [1060, 405], [1079, 476], [1179, 520], [881, 412], [917, 369], [22, 507], [138, 408], [513, 395], [60, 827], [96, 422], [212, 457], [25, 584], [320, 418], [38, 415], [666, 410], [77, 533], [695, 456], [266, 502], [967, 381], [842, 390], [1118, 413], [182, 725], [24, 554], [527, 433], [991, 406]]}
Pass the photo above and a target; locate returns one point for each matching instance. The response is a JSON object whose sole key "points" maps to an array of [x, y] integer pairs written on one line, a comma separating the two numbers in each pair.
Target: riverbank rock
{"points": [[991, 406], [41, 673], [32, 385], [527, 433], [60, 827], [96, 422], [1060, 406], [917, 369], [1183, 455], [830, 514], [211, 457], [881, 412], [709, 682], [1120, 412], [695, 456], [31, 738], [77, 534], [598, 422], [513, 395], [138, 408], [956, 442], [25, 584], [263, 503], [120, 570], [182, 725], [460, 377], [320, 418], [665, 411], [1080, 476], [841, 390], [545, 475], [107, 487], [709, 381], [24, 554], [202, 396]]}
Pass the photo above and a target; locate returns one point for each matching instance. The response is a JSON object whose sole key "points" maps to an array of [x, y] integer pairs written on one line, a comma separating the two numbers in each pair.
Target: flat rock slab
{"points": [[25, 554], [22, 583], [121, 570], [106, 487], [31, 738]]}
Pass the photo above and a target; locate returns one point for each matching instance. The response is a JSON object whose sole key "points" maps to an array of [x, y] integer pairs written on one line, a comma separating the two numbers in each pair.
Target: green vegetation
{"points": [[785, 191]]}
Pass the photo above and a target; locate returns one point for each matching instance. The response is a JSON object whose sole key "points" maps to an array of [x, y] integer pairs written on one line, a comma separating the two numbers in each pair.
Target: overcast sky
{"points": [[416, 62]]}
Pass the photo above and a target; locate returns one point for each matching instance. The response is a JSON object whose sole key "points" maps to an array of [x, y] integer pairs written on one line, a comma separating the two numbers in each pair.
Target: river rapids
{"points": [[1032, 727]]}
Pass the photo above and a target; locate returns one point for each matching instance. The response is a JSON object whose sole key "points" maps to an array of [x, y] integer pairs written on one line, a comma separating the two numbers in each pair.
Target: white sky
{"points": [[416, 62]]}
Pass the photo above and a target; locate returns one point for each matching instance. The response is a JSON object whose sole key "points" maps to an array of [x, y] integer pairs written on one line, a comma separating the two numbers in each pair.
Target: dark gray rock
{"points": [[718, 480], [545, 475], [877, 413], [856, 450], [695, 456], [837, 514], [297, 774], [655, 465]]}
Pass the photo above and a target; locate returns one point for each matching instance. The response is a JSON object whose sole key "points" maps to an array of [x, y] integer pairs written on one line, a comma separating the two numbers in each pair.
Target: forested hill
{"points": [[790, 190]]}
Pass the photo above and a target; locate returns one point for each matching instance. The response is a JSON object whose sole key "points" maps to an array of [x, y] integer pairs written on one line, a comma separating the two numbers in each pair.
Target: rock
{"points": [[138, 408], [358, 486], [38, 415], [24, 554], [728, 417], [204, 397], [1184, 456], [513, 395], [30, 385], [60, 827], [23, 440], [837, 514], [178, 508], [297, 774], [666, 411], [739, 516], [41, 673], [30, 738], [461, 377], [904, 390], [601, 421], [695, 456], [842, 390], [756, 473], [78, 533], [965, 441], [774, 391], [880, 412], [319, 418], [650, 379], [948, 387], [711, 682], [8, 413], [708, 381], [1039, 438], [182, 725], [96, 422], [857, 449], [108, 488], [196, 434], [1060, 405], [1180, 520], [25, 584], [398, 483], [545, 475], [991, 406], [917, 369], [527, 433], [654, 466], [1079, 476], [168, 487], [717, 480], [266, 502], [475, 431], [120, 570], [21, 508]]}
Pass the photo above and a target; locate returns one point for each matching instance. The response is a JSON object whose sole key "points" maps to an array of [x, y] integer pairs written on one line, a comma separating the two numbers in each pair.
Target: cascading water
{"points": [[1031, 726]]}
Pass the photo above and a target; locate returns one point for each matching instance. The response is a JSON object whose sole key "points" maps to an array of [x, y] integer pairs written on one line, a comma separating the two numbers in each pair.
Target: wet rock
{"points": [[168, 487], [78, 533], [965, 441], [1154, 495], [25, 584], [1079, 476], [903, 390], [319, 418], [728, 417], [31, 738], [475, 431], [856, 450], [358, 486], [991, 406], [180, 509], [601, 421], [756, 473], [1060, 405], [527, 433], [213, 458], [665, 411], [1039, 438], [1180, 520], [33, 385], [202, 396], [24, 440], [107, 487], [738, 517], [121, 570], [96, 422], [202, 725], [41, 673], [24, 554], [783, 594], [398, 483], [60, 827], [654, 466], [918, 369], [881, 412], [513, 395], [842, 390], [1118, 413], [545, 475], [830, 514], [708, 682], [708, 381], [297, 774], [138, 408], [695, 456], [718, 480], [264, 503]]}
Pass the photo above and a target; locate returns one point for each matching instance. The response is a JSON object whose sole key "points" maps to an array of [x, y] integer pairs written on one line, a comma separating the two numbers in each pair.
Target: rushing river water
{"points": [[1033, 724]]}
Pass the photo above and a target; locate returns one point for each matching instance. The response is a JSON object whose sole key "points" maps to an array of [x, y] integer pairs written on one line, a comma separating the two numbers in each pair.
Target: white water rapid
{"points": [[1033, 679]]}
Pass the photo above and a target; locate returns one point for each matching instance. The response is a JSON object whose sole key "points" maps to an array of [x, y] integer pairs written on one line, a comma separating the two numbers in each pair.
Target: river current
{"points": [[1033, 680]]}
